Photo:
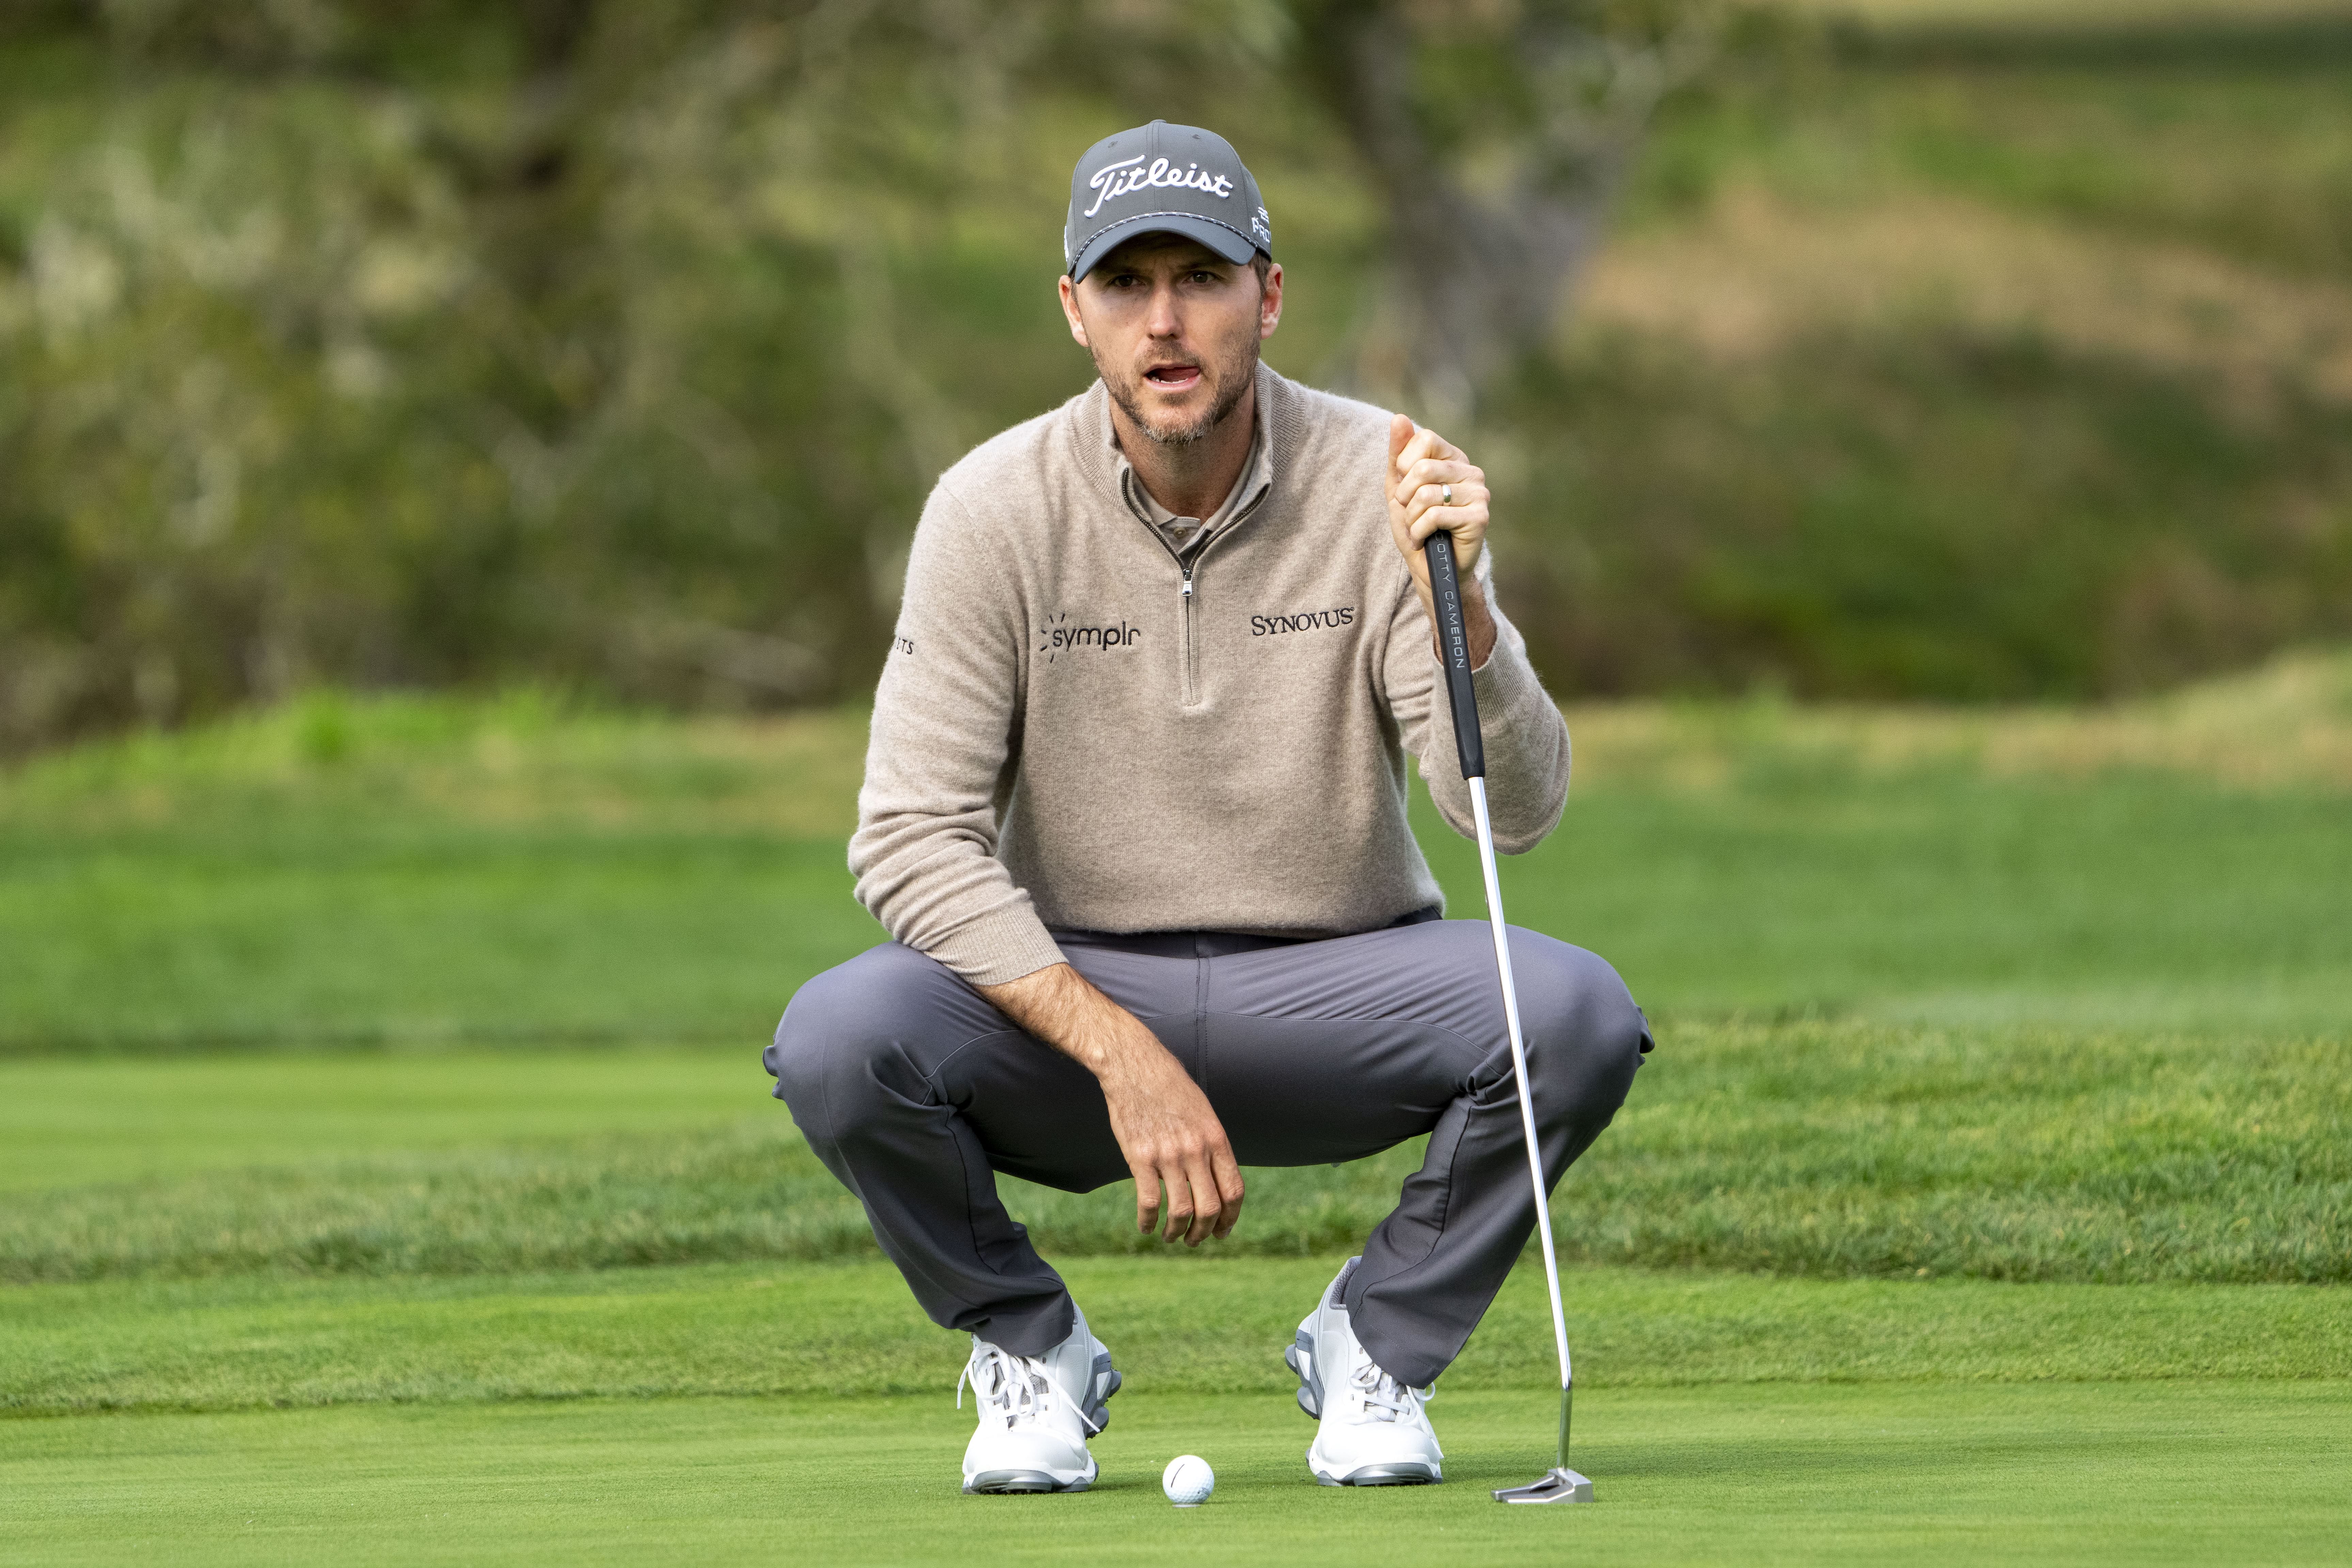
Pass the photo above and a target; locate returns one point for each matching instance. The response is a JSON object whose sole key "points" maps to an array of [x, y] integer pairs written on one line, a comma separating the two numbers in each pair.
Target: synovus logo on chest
{"points": [[1303, 621]]}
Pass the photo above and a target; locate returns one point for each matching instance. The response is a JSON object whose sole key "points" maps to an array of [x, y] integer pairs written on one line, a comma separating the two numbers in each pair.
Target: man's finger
{"points": [[1181, 1205], [1177, 1215], [1401, 431], [1435, 471], [1428, 443], [1147, 1199], [1213, 1207], [1228, 1174], [1467, 494], [1192, 1198], [1465, 522], [1430, 500], [1414, 451], [1432, 470], [1208, 1204]]}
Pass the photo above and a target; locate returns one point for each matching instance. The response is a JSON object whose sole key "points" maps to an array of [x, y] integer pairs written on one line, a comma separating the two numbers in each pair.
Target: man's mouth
{"points": [[1173, 377]]}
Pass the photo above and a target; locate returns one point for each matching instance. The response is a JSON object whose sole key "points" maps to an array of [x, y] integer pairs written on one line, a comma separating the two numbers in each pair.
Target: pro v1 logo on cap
{"points": [[1163, 179]]}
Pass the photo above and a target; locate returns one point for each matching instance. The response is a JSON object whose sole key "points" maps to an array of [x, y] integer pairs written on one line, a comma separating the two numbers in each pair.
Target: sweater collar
{"points": [[1249, 487]]}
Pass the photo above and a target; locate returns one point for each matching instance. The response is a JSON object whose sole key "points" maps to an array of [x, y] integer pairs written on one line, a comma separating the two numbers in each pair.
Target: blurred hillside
{"points": [[1970, 350]]}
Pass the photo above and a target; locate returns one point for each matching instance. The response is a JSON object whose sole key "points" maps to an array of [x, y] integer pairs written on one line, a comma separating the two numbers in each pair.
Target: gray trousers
{"points": [[915, 1093]]}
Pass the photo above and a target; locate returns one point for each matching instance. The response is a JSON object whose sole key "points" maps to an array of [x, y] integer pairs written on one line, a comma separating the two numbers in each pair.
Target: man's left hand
{"points": [[1422, 468]]}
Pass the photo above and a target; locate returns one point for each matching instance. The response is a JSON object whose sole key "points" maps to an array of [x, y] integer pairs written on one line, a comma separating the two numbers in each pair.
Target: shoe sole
{"points": [[1013, 1483], [1379, 1476]]}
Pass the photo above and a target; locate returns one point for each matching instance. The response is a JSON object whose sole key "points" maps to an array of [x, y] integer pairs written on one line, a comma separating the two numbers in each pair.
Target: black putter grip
{"points": [[1454, 646]]}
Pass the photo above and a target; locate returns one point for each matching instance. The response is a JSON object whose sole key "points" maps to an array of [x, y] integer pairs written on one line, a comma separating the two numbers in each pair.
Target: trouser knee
{"points": [[838, 1055], [1585, 1036]]}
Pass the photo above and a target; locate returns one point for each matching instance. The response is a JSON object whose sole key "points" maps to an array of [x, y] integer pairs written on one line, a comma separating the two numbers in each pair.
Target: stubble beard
{"points": [[1230, 390]]}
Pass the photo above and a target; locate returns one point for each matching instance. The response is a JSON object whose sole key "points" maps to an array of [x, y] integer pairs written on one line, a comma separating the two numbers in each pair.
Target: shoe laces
{"points": [[1381, 1397], [1016, 1389]]}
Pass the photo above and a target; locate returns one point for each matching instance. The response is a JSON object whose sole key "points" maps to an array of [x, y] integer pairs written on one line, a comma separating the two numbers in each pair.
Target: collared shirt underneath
{"points": [[1187, 535]]}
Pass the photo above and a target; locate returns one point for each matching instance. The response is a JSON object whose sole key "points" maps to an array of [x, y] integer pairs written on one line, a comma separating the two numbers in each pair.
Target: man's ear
{"points": [[1270, 302], [1070, 312]]}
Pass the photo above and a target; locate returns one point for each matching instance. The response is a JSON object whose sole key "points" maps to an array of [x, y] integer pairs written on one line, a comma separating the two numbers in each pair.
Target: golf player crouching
{"points": [[1135, 812]]}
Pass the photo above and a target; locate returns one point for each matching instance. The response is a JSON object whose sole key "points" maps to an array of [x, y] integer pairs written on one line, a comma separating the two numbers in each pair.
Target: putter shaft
{"points": [[1561, 1484], [1526, 1100]]}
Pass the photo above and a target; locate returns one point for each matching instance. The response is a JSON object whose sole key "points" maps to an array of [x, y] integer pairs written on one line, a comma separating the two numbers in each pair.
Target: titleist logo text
{"points": [[1123, 178]]}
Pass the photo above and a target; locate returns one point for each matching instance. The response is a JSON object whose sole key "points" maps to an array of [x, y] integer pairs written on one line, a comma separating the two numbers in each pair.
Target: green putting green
{"points": [[2060, 1473]]}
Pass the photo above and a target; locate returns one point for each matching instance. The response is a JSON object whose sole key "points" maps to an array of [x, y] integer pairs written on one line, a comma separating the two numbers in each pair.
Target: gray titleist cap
{"points": [[1162, 179]]}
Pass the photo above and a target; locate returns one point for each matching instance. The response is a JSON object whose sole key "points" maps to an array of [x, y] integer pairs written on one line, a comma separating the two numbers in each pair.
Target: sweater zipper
{"points": [[1188, 677], [1190, 657]]}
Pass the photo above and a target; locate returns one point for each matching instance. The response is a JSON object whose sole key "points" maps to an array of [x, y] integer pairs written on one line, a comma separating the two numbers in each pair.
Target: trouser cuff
{"points": [[1029, 1329]]}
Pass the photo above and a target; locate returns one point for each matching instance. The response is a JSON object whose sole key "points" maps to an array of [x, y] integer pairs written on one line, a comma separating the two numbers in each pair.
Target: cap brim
{"points": [[1230, 243]]}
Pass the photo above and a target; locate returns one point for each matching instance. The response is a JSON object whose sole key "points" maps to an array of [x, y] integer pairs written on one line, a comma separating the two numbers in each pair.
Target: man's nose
{"points": [[1163, 321]]}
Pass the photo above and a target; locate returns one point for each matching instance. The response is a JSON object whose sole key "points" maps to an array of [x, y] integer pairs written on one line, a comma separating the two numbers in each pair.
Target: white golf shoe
{"points": [[1036, 1414], [1371, 1431]]}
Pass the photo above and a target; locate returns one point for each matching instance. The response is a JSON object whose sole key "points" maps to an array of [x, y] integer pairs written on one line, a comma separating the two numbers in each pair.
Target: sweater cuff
{"points": [[1506, 682], [1002, 945]]}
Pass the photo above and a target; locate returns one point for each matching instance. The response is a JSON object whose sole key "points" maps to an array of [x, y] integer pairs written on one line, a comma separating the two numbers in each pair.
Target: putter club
{"points": [[1560, 1484]]}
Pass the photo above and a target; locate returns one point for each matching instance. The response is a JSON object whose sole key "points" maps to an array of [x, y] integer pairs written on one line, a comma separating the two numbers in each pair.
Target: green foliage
{"points": [[2237, 162], [1979, 515], [393, 342], [1981, 380], [405, 380]]}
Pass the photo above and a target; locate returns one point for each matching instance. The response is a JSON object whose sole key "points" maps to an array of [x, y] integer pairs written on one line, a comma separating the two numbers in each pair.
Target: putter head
{"points": [[1560, 1484]]}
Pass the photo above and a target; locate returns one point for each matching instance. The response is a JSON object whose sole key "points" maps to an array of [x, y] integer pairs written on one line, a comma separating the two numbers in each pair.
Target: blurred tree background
{"points": [[1950, 349]]}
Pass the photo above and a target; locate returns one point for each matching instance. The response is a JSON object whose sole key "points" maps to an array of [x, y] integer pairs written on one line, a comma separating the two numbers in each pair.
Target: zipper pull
{"points": [[1188, 582]]}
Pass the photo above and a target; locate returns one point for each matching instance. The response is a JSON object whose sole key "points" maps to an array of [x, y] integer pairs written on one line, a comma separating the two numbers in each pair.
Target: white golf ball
{"points": [[1188, 1480]]}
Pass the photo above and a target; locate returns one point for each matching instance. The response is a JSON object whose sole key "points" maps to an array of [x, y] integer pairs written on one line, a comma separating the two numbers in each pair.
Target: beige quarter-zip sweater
{"points": [[1077, 728]]}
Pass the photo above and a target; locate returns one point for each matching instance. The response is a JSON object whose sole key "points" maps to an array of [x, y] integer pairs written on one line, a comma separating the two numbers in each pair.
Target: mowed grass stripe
{"points": [[1823, 1148], [2070, 1474], [68, 1121], [1795, 886], [1202, 1325]]}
